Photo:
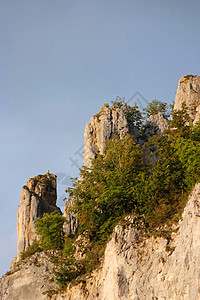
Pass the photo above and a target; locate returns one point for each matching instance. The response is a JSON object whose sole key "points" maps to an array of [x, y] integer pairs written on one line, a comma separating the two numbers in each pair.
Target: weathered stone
{"points": [[37, 197], [155, 125], [134, 266], [71, 225], [188, 92], [149, 269], [101, 128], [29, 279]]}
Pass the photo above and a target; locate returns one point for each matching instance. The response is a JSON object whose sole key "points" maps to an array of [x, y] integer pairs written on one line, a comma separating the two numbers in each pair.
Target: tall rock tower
{"points": [[188, 92], [38, 197]]}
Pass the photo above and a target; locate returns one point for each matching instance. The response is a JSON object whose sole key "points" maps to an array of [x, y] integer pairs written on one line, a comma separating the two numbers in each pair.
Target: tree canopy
{"points": [[123, 181], [50, 229], [155, 107]]}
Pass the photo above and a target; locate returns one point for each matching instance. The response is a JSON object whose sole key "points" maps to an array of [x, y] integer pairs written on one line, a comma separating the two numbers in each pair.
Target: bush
{"points": [[155, 107], [32, 249], [105, 192], [121, 182], [132, 113], [50, 229]]}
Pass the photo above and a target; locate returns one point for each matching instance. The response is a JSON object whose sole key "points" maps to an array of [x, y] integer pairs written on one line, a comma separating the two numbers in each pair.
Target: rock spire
{"points": [[188, 92], [38, 197]]}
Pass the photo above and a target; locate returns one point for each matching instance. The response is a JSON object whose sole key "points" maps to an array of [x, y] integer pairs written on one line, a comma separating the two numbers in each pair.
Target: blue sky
{"points": [[60, 61]]}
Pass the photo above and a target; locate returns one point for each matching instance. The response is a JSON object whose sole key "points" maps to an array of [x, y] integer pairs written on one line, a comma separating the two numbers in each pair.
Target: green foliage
{"points": [[68, 273], [188, 152], [120, 182], [180, 118], [69, 248], [195, 132], [106, 191], [68, 269], [175, 172], [50, 229], [32, 249], [106, 104], [132, 113], [155, 107]]}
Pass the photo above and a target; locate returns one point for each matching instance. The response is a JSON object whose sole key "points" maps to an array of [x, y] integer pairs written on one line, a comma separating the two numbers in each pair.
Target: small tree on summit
{"points": [[132, 113], [155, 107]]}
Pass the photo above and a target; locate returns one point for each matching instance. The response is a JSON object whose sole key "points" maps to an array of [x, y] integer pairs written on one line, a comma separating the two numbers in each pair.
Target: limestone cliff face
{"points": [[109, 122], [155, 125], [188, 92], [148, 268], [37, 197], [134, 267], [29, 280], [101, 128]]}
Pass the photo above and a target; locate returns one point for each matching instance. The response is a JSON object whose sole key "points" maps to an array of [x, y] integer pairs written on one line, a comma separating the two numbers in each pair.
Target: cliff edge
{"points": [[135, 266]]}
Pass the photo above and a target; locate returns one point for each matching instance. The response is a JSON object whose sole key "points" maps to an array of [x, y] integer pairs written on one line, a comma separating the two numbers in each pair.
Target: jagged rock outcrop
{"points": [[155, 125], [101, 128], [29, 279], [148, 268], [37, 197], [109, 122], [135, 266], [188, 92]]}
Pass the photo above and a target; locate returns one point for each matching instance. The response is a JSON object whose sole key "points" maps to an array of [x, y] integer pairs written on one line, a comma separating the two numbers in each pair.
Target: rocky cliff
{"points": [[112, 121], [155, 125], [101, 128], [188, 92], [38, 196], [135, 266], [29, 279]]}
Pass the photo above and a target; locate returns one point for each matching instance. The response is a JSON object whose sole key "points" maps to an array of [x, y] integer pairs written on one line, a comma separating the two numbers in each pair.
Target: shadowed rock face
{"points": [[155, 125], [71, 225], [188, 92], [37, 197]]}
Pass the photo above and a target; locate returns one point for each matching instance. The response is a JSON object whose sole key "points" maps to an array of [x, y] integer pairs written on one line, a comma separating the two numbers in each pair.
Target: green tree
{"points": [[123, 181], [50, 229], [155, 107], [132, 113], [107, 190]]}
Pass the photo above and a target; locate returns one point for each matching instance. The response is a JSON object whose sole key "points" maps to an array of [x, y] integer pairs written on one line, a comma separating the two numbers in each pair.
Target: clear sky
{"points": [[60, 61]]}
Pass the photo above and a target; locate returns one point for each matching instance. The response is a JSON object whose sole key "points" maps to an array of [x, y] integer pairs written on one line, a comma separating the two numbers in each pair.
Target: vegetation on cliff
{"points": [[123, 181]]}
